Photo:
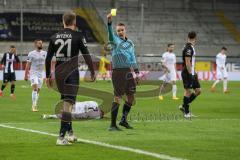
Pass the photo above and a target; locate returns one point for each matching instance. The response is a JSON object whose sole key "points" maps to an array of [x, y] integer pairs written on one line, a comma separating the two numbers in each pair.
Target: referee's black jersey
{"points": [[188, 51], [8, 61], [65, 45]]}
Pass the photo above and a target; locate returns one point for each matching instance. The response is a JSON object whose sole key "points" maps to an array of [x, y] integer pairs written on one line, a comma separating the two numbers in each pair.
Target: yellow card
{"points": [[114, 12]]}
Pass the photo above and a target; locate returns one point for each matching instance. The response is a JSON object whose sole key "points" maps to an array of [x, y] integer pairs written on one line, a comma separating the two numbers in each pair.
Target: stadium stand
{"points": [[170, 22], [166, 21]]}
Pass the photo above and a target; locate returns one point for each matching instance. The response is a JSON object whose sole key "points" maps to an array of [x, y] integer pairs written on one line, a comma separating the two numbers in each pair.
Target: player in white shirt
{"points": [[81, 110], [221, 70], [34, 71], [169, 61]]}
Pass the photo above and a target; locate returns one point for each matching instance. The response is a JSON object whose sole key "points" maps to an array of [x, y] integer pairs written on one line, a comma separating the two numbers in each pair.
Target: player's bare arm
{"points": [[175, 66], [17, 58], [28, 65]]}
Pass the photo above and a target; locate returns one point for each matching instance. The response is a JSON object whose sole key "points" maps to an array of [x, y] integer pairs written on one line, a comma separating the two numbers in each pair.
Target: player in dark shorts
{"points": [[189, 76], [65, 45], [8, 70], [123, 64]]}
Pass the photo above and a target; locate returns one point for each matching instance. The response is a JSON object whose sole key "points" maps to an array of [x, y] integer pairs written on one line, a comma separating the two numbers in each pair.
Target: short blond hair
{"points": [[69, 18]]}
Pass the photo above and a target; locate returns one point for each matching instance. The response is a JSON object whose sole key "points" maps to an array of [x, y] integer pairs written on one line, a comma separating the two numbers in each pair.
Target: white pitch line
{"points": [[123, 148]]}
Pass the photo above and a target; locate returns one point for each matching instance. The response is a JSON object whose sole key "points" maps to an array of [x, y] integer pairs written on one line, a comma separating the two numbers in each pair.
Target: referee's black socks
{"points": [[126, 110], [12, 88], [114, 113], [186, 104]]}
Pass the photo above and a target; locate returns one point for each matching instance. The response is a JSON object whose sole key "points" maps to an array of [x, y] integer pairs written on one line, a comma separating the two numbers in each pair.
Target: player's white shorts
{"points": [[36, 79], [221, 73], [171, 76]]}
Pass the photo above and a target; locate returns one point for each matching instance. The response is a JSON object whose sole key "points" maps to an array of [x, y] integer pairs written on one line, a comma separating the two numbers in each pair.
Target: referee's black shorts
{"points": [[123, 82], [8, 77], [189, 81]]}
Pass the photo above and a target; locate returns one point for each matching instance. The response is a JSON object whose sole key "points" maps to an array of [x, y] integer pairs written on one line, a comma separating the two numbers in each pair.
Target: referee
{"points": [[123, 64], [8, 70]]}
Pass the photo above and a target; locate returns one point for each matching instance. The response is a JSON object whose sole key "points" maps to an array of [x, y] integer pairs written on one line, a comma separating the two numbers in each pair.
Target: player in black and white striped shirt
{"points": [[8, 70]]}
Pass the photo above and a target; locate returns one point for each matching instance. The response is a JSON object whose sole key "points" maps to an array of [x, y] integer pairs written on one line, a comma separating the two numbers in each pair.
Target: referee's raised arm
{"points": [[111, 35]]}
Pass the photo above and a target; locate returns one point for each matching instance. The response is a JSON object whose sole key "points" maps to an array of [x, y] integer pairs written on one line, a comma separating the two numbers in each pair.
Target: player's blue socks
{"points": [[126, 110], [186, 104], [12, 88], [114, 113]]}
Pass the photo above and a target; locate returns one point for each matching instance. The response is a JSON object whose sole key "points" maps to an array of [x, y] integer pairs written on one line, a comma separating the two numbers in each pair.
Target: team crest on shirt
{"points": [[188, 52], [84, 42]]}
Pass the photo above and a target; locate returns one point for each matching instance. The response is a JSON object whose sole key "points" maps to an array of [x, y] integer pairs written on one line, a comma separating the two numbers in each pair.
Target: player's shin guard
{"points": [[126, 110], [65, 123], [192, 97], [114, 113], [186, 104], [12, 88]]}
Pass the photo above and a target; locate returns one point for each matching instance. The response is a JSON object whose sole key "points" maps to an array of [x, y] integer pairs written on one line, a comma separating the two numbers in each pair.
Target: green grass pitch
{"points": [[158, 127]]}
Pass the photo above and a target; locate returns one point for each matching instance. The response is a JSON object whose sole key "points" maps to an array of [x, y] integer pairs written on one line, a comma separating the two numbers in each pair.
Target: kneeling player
{"points": [[81, 110]]}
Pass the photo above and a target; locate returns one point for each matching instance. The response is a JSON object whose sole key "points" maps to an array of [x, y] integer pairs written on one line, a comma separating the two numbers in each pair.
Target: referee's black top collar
{"points": [[123, 39]]}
